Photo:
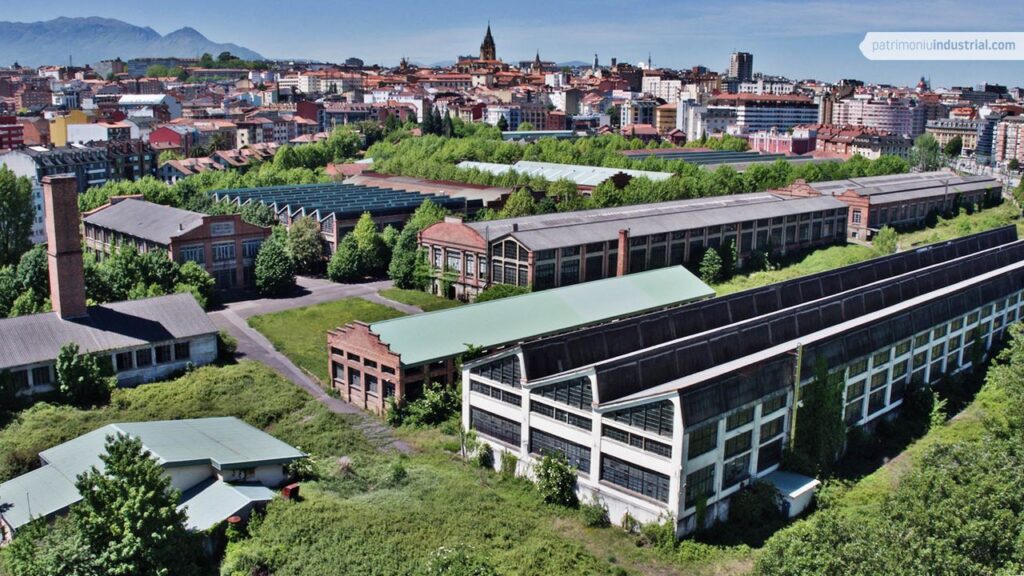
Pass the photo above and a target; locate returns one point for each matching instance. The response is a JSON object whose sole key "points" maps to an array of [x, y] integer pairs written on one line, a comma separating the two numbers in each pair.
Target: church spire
{"points": [[487, 49]]}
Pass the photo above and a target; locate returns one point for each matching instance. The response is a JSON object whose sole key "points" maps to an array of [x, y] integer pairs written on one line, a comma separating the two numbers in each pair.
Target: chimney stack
{"points": [[622, 262], [64, 246]]}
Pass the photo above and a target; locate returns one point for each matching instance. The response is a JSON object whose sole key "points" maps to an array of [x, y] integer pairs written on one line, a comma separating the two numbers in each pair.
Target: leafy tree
{"points": [[499, 291], [193, 278], [886, 240], [128, 517], [259, 214], [206, 60], [50, 548], [226, 57], [306, 246], [34, 272], [157, 71], [80, 378], [406, 253], [711, 266], [390, 236], [502, 123], [373, 252], [9, 289], [556, 480], [519, 203], [167, 156], [28, 302], [286, 158], [345, 264], [1013, 165], [17, 212], [274, 269], [447, 128], [525, 127], [953, 147], [926, 154], [427, 126]]}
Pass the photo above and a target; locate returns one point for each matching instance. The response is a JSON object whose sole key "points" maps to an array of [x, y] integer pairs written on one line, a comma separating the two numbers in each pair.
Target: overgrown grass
{"points": [[247, 390], [301, 333], [837, 256], [419, 299]]}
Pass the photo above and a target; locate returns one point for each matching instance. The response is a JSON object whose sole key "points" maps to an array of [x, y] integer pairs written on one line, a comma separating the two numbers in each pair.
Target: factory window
{"points": [[542, 443], [700, 484], [634, 478], [703, 440], [494, 426]]}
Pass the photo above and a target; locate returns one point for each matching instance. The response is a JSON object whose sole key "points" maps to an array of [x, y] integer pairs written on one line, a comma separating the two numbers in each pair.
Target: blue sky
{"points": [[797, 39]]}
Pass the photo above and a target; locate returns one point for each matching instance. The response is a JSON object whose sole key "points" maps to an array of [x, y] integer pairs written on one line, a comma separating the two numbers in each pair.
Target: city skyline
{"points": [[821, 43]]}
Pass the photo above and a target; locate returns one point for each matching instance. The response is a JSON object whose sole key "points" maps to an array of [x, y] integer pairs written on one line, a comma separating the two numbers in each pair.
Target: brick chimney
{"points": [[64, 246], [622, 262]]}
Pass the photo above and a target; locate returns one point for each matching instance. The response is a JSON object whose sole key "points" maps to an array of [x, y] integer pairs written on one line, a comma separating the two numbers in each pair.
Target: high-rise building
{"points": [[741, 66]]}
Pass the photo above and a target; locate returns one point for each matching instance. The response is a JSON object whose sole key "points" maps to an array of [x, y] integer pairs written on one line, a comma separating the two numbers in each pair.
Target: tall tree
{"points": [[373, 253], [953, 147], [33, 272], [81, 379], [405, 255], [274, 269], [306, 246], [519, 203], [447, 129], [502, 123], [16, 215], [129, 516], [345, 264], [925, 154]]}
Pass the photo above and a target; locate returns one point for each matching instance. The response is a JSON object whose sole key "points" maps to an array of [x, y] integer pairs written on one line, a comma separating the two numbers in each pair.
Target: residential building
{"points": [[945, 130], [371, 364], [1009, 142], [222, 467], [637, 112], [552, 250], [900, 200], [224, 245], [102, 132], [741, 66], [904, 117], [145, 340], [669, 414], [161, 107], [742, 113], [800, 140], [59, 126], [12, 133]]}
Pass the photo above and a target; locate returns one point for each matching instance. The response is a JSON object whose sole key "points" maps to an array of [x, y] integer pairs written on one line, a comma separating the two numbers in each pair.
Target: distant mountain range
{"points": [[89, 40]]}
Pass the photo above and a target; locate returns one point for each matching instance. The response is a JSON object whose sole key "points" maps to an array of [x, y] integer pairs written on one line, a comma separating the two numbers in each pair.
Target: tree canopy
{"points": [[17, 212]]}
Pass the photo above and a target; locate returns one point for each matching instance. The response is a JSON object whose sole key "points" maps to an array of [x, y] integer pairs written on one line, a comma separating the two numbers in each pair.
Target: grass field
{"points": [[247, 390], [419, 299], [301, 333], [836, 256], [359, 519]]}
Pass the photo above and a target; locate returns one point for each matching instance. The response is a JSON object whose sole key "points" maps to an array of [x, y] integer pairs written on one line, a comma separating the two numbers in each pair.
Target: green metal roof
{"points": [[222, 443], [210, 502], [432, 336]]}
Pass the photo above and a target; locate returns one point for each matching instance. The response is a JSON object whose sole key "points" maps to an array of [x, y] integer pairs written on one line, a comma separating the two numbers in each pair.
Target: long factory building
{"points": [[665, 410], [551, 250]]}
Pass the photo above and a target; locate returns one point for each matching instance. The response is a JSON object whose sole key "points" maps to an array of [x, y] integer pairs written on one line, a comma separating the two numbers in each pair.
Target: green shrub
{"points": [[498, 291], [397, 474], [509, 463], [660, 534], [227, 345], [595, 513], [437, 405], [485, 456], [556, 480]]}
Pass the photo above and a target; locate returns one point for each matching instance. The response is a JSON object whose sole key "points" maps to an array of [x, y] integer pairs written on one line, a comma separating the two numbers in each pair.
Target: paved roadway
{"points": [[254, 346]]}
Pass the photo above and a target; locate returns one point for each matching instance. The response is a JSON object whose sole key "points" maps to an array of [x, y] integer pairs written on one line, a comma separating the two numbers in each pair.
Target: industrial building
{"points": [[561, 249], [145, 340], [337, 206], [371, 363], [673, 410], [901, 200], [224, 245], [223, 467]]}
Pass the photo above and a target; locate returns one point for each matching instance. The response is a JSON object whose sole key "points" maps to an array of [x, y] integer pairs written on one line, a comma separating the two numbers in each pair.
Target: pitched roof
{"points": [[223, 443], [146, 220], [580, 174], [432, 336], [107, 327]]}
